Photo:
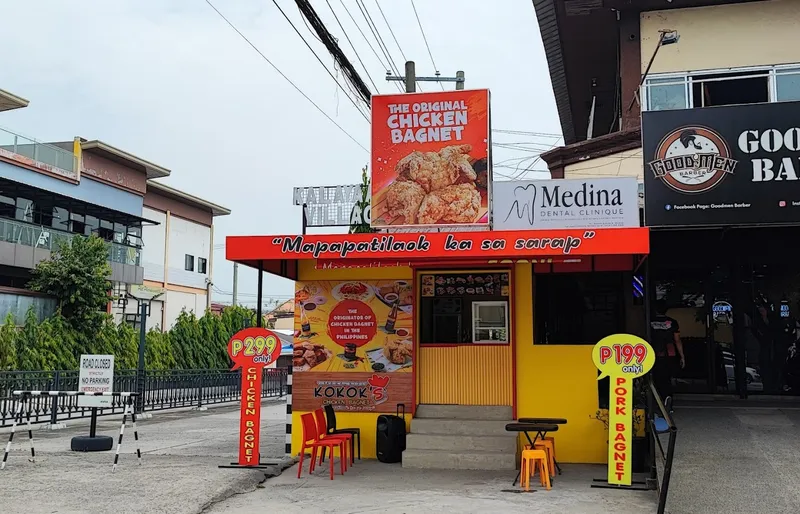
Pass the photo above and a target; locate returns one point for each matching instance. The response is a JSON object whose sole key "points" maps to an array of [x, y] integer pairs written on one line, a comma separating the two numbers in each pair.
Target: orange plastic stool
{"points": [[533, 460], [550, 449], [548, 444]]}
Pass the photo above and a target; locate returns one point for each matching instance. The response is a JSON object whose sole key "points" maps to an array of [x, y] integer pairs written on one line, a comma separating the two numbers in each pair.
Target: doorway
{"points": [[703, 305]]}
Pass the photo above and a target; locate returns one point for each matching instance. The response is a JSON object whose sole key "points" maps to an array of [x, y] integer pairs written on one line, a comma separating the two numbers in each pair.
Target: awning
{"points": [[279, 254]]}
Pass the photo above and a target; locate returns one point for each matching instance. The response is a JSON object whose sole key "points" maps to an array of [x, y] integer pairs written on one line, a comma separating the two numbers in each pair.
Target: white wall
{"points": [[723, 36], [153, 240], [621, 164], [180, 300], [187, 237]]}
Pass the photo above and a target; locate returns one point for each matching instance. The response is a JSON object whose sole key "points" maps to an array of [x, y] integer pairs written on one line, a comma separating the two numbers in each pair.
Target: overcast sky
{"points": [[171, 82]]}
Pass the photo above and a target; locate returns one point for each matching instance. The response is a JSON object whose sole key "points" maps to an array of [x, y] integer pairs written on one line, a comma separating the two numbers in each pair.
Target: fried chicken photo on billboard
{"points": [[435, 187]]}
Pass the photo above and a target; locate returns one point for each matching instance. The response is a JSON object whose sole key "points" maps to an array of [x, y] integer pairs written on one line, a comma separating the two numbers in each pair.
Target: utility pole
{"points": [[410, 79], [235, 282]]}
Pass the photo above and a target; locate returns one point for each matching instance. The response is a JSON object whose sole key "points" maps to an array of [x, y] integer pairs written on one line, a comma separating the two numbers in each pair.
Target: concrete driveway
{"points": [[178, 474]]}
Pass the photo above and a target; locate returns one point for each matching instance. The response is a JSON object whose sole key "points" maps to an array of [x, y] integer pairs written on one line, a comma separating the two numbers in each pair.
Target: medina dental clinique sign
{"points": [[736, 165]]}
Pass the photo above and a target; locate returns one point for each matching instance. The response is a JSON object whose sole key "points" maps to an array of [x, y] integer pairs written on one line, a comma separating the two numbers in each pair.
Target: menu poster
{"points": [[469, 284], [351, 338]]}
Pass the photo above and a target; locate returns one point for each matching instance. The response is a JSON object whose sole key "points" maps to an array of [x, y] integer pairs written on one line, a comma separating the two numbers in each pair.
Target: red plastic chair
{"points": [[311, 440], [322, 428]]}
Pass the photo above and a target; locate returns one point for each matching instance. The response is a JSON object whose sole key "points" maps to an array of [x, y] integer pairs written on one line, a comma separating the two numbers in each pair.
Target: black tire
{"points": [[84, 443]]}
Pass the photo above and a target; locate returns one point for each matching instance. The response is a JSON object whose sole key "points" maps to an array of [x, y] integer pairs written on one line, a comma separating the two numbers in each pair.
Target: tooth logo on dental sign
{"points": [[524, 203]]}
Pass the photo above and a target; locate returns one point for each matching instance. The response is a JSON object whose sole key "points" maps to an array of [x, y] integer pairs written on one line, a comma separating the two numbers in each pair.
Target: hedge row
{"points": [[193, 343]]}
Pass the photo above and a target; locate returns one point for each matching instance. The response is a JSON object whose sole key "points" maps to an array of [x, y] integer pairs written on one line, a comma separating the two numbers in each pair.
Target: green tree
{"points": [[77, 276], [361, 205], [8, 344]]}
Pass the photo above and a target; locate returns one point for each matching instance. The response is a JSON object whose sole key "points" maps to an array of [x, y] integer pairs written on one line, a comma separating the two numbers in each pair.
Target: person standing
{"points": [[666, 342]]}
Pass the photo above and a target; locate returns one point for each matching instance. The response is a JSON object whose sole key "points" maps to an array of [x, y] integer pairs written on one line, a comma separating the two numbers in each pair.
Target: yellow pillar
{"points": [[77, 150]]}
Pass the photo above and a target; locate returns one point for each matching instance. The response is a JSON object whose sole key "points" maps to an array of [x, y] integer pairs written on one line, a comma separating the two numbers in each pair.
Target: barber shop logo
{"points": [[692, 160]]}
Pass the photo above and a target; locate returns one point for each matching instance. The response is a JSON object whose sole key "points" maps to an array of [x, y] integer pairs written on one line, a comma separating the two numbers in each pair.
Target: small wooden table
{"points": [[540, 430]]}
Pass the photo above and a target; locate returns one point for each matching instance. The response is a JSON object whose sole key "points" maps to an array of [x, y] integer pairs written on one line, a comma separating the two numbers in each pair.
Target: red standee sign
{"points": [[252, 349]]}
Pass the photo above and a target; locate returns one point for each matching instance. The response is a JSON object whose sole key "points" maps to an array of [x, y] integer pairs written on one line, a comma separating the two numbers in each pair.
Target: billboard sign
{"points": [[431, 160], [717, 166], [329, 206], [565, 203]]}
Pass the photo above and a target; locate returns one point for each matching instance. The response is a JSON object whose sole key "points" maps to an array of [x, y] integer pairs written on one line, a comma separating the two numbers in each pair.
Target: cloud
{"points": [[171, 82]]}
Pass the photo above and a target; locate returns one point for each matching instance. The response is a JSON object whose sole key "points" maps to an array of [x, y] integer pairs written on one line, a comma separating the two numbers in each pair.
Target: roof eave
{"points": [[10, 101], [547, 16], [152, 170], [216, 210]]}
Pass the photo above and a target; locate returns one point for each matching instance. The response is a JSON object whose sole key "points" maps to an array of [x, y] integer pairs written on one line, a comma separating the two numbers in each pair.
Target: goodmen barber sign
{"points": [[572, 203], [722, 165]]}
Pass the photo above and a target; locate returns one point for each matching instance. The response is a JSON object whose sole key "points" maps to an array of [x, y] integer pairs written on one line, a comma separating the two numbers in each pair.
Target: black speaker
{"points": [[390, 439]]}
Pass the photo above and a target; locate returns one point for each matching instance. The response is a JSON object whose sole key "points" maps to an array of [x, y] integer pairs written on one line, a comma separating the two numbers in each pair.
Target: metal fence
{"points": [[163, 390], [659, 454]]}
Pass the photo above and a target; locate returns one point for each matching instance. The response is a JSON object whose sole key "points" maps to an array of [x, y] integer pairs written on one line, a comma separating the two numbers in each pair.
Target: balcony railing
{"points": [[45, 238], [40, 152]]}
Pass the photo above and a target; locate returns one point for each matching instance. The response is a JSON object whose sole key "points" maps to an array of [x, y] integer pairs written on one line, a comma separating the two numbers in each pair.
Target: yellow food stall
{"points": [[410, 319]]}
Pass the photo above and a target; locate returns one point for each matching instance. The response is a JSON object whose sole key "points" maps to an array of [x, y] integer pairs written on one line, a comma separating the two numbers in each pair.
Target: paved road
{"points": [[736, 460], [373, 487], [178, 474]]}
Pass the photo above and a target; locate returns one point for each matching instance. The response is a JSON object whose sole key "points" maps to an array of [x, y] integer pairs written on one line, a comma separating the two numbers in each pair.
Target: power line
{"points": [[390, 30], [396, 42], [376, 33], [526, 133], [385, 66], [348, 77], [254, 47], [425, 38], [352, 46]]}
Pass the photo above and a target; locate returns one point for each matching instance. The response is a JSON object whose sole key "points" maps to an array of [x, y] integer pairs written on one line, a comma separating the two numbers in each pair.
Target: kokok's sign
{"points": [[566, 203]]}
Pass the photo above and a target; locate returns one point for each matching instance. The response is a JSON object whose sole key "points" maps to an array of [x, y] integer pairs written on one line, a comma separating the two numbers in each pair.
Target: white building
{"points": [[177, 254]]}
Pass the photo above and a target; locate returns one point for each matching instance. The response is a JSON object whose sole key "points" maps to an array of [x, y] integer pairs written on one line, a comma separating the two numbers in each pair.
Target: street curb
{"points": [[237, 488]]}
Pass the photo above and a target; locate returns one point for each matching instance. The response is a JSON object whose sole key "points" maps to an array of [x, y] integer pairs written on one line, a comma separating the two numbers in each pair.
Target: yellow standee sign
{"points": [[622, 358]]}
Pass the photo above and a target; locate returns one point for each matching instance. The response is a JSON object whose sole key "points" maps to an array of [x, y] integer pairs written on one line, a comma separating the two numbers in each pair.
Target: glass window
{"points": [[787, 85], [134, 237], [666, 94], [737, 88], [60, 218], [490, 322], [8, 207], [106, 230], [464, 308], [77, 223], [578, 308], [119, 233], [24, 209], [202, 265], [92, 225], [189, 262]]}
